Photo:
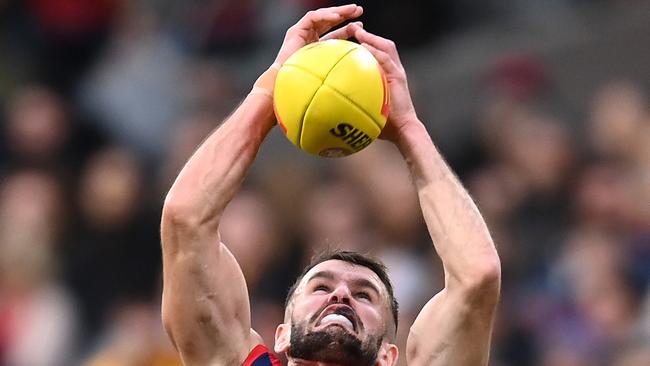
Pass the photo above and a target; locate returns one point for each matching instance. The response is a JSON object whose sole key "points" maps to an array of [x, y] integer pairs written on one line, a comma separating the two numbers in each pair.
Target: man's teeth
{"points": [[336, 318]]}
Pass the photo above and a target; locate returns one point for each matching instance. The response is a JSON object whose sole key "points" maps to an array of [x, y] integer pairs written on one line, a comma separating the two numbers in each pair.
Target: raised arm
{"points": [[205, 303], [455, 326]]}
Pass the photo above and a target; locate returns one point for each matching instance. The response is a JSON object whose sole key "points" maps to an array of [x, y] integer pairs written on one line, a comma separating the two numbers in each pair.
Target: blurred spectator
{"points": [[635, 356], [209, 87], [603, 198], [35, 309], [37, 127], [253, 234], [134, 91], [248, 226], [390, 197], [222, 26], [113, 255], [540, 151], [40, 132], [287, 183], [134, 337], [67, 37], [619, 118], [564, 356], [186, 137], [336, 216]]}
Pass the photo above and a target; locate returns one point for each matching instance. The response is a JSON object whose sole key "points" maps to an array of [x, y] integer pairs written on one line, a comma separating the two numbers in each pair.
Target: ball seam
{"points": [[302, 118], [302, 122], [354, 104]]}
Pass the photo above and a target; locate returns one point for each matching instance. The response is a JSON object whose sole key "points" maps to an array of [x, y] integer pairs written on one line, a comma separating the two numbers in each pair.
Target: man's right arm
{"points": [[205, 304]]}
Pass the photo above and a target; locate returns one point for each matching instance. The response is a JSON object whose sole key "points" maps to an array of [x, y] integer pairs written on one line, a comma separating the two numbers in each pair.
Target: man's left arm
{"points": [[455, 326]]}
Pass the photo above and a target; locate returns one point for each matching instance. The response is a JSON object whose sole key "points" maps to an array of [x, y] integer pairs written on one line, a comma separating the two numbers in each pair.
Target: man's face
{"points": [[339, 314]]}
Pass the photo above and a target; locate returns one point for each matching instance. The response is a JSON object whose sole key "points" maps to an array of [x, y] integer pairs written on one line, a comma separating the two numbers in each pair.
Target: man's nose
{"points": [[340, 294]]}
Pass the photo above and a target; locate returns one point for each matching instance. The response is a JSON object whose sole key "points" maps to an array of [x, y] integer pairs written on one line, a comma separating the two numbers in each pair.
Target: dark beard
{"points": [[333, 345]]}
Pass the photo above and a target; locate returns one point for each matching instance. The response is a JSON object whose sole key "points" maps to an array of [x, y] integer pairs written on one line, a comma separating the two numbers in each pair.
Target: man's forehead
{"points": [[342, 270]]}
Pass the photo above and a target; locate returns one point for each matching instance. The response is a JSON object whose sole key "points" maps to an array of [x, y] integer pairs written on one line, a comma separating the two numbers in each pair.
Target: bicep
{"points": [[451, 331], [205, 303]]}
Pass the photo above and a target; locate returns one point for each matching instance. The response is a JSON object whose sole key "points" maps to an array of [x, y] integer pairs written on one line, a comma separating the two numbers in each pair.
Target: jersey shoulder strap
{"points": [[260, 356]]}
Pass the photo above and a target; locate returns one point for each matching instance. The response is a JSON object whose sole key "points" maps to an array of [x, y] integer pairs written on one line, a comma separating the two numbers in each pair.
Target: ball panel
{"points": [[320, 57], [356, 76], [294, 90], [335, 126]]}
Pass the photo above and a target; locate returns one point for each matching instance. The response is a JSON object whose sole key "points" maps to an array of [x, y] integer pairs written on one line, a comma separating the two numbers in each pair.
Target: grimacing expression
{"points": [[341, 301]]}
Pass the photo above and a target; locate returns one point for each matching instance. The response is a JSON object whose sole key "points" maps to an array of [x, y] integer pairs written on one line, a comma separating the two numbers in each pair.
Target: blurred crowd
{"points": [[102, 101]]}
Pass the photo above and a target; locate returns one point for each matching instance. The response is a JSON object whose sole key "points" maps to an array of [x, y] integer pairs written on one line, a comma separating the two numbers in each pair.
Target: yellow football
{"points": [[331, 98]]}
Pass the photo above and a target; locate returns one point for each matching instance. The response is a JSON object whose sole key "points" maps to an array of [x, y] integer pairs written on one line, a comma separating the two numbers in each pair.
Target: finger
{"points": [[379, 43], [343, 32], [318, 21], [385, 60], [324, 19], [350, 10]]}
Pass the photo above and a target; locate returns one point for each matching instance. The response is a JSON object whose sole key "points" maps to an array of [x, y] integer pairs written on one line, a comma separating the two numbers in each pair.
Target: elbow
{"points": [[176, 210], [177, 213], [488, 277], [181, 215], [183, 205], [486, 286], [483, 283]]}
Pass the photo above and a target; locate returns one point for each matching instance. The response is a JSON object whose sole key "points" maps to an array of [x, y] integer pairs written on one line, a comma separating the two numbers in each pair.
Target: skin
{"points": [[330, 284], [205, 308]]}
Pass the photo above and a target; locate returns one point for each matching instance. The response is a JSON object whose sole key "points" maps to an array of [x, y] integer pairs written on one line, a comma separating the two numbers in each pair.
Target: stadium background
{"points": [[541, 107]]}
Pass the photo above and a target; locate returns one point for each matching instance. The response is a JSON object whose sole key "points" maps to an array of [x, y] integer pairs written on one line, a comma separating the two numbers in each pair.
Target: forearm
{"points": [[459, 233], [212, 176]]}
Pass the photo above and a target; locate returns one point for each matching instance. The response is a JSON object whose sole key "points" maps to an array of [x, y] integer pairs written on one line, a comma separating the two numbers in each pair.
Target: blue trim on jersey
{"points": [[263, 360]]}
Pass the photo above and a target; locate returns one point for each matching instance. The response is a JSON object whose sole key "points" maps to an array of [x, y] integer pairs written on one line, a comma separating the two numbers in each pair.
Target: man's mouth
{"points": [[342, 316], [337, 319]]}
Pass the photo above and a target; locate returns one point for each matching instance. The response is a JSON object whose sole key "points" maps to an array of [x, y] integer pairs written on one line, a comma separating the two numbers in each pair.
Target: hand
{"points": [[314, 24], [402, 113]]}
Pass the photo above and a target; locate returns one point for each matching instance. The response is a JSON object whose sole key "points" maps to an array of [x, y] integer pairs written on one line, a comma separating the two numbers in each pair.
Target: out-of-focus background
{"points": [[541, 107]]}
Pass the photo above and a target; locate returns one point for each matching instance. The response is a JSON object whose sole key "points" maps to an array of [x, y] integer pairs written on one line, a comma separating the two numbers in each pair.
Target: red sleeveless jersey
{"points": [[260, 356]]}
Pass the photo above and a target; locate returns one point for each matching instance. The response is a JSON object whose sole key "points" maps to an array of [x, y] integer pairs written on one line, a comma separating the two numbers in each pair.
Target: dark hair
{"points": [[355, 258]]}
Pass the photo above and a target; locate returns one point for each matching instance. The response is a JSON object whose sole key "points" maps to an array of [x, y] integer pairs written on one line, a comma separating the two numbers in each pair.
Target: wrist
{"points": [[411, 133], [420, 154], [265, 83]]}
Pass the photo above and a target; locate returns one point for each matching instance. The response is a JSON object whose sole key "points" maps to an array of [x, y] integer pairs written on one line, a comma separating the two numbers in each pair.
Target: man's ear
{"points": [[388, 354], [282, 338]]}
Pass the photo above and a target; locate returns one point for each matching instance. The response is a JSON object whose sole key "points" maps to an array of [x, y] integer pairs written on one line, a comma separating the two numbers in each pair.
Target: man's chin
{"points": [[332, 344]]}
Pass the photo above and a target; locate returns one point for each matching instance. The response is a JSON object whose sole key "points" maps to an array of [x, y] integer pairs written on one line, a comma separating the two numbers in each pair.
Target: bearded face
{"points": [[339, 314], [333, 343]]}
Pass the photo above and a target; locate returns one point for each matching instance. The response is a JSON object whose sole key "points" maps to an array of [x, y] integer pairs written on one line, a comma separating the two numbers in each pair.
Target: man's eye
{"points": [[363, 295], [321, 288]]}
